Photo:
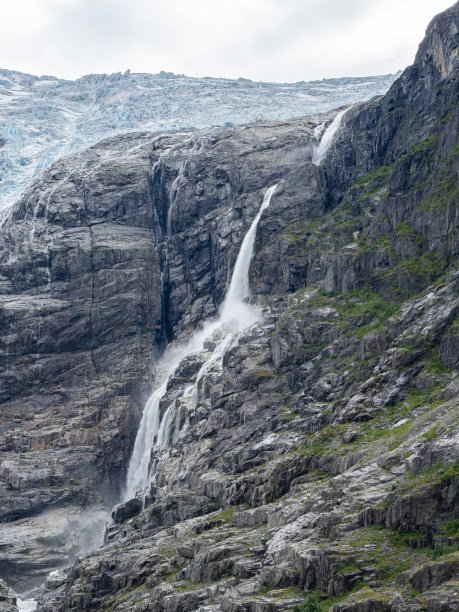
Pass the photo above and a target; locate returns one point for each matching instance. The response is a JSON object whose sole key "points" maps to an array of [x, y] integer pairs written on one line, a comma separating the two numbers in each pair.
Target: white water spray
{"points": [[236, 315], [321, 150], [26, 605]]}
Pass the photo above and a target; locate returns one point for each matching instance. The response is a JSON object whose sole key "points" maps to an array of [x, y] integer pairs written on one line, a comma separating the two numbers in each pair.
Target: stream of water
{"points": [[160, 427], [327, 138]]}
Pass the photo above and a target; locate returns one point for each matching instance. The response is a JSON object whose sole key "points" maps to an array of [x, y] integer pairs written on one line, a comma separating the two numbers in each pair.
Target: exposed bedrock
{"points": [[126, 246], [93, 286]]}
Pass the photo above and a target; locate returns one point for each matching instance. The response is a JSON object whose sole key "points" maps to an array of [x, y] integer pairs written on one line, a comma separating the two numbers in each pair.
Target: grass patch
{"points": [[450, 528], [443, 191], [442, 551], [226, 514], [440, 472], [383, 172], [425, 266], [318, 601], [323, 441], [424, 145], [312, 604], [360, 311], [436, 366], [431, 434], [260, 374], [267, 588]]}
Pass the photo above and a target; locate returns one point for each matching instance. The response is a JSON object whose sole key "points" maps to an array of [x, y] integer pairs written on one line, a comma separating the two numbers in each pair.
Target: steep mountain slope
{"points": [[92, 287], [43, 119], [318, 467]]}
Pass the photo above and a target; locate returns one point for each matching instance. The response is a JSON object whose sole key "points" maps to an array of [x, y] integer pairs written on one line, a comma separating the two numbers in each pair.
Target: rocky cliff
{"points": [[319, 468]]}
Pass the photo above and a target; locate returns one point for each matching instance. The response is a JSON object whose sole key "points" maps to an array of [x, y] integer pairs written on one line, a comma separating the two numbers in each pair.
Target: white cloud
{"points": [[277, 40]]}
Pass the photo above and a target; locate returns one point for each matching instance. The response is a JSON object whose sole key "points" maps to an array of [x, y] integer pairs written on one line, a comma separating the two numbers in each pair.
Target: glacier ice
{"points": [[45, 118]]}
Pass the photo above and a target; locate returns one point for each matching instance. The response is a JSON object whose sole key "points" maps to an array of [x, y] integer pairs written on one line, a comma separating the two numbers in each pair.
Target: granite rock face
{"points": [[93, 285], [322, 455]]}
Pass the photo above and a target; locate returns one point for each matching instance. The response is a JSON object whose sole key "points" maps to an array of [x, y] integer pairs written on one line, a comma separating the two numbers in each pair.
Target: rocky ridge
{"points": [[321, 465]]}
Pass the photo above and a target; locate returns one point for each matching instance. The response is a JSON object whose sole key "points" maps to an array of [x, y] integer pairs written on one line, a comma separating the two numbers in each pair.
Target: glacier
{"points": [[45, 118]]}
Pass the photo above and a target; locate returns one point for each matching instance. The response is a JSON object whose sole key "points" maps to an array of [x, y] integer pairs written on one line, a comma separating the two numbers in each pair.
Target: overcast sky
{"points": [[270, 40]]}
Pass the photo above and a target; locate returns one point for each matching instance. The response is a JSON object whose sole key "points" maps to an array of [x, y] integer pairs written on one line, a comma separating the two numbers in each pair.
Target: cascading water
{"points": [[197, 148], [235, 316], [320, 151]]}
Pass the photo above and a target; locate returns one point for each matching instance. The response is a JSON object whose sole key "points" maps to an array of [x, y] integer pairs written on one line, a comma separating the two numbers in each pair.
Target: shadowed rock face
{"points": [[131, 244], [392, 175], [93, 286]]}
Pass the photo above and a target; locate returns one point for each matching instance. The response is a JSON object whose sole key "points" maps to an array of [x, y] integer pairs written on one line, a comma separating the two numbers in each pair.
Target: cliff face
{"points": [[392, 177], [93, 286], [320, 455]]}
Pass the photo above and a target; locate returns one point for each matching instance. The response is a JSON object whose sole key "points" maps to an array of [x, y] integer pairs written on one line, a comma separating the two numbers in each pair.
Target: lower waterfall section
{"points": [[162, 425]]}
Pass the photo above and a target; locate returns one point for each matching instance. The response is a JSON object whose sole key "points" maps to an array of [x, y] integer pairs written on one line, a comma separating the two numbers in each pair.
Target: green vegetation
{"points": [[360, 311], [288, 415], [414, 398], [444, 190], [318, 601], [188, 585], [364, 302], [375, 242], [450, 528], [436, 365], [312, 604], [383, 172], [126, 595], [440, 472], [382, 427], [325, 233], [405, 229], [267, 588], [328, 440], [424, 145], [396, 276], [431, 434], [393, 551], [226, 514], [395, 434], [442, 551], [171, 576], [323, 441], [409, 276], [425, 266]]}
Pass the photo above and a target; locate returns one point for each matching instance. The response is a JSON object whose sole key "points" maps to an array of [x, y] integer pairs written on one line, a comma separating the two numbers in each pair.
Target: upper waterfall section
{"points": [[163, 428], [44, 119]]}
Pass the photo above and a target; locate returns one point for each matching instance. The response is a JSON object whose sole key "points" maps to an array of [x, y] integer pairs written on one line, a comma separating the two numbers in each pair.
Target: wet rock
{"points": [[8, 598], [126, 510]]}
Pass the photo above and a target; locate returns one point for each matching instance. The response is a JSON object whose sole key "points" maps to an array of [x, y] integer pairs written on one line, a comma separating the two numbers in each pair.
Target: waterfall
{"points": [[320, 151], [239, 288], [179, 181], [236, 315], [198, 146]]}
